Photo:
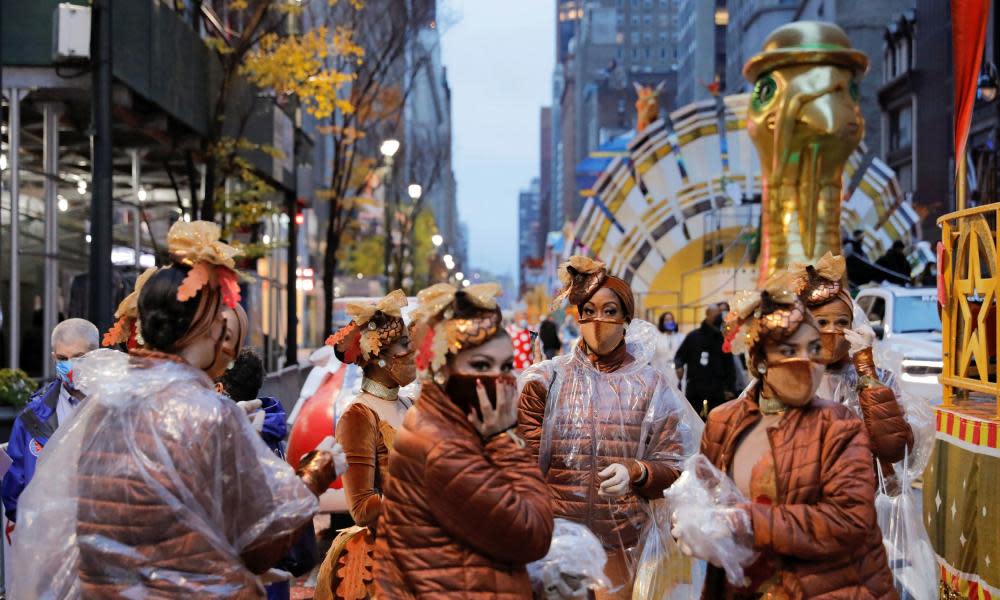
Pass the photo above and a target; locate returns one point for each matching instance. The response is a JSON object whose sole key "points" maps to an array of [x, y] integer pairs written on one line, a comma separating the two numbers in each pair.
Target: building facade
{"points": [[531, 235]]}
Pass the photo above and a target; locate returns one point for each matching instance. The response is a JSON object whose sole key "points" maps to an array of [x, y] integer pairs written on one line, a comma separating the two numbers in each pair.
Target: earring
{"points": [[439, 378], [381, 363], [762, 368]]}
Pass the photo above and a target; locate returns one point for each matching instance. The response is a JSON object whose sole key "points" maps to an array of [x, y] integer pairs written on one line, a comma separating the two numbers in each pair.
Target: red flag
{"points": [[968, 37]]}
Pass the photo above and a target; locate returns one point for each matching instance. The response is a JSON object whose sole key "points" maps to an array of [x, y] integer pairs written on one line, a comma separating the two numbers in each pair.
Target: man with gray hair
{"points": [[50, 407]]}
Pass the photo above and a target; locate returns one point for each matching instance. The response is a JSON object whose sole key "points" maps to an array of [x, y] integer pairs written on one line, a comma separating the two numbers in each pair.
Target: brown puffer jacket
{"points": [[823, 528], [614, 431], [171, 486], [460, 519]]}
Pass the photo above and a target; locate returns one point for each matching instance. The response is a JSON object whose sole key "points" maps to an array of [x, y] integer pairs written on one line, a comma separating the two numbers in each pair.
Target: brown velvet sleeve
{"points": [[530, 414], [663, 463], [357, 432], [885, 423]]}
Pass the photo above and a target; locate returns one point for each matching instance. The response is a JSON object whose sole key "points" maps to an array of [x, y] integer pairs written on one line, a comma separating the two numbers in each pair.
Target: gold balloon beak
{"points": [[830, 115]]}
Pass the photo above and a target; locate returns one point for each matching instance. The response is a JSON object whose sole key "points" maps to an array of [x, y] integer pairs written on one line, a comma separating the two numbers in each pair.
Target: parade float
{"points": [[717, 195]]}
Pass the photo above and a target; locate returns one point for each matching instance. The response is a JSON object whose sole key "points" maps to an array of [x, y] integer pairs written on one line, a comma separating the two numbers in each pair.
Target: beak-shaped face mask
{"points": [[792, 381], [602, 335]]}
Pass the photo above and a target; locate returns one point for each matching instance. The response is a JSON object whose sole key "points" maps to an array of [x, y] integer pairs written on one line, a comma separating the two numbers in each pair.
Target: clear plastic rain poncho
{"points": [[907, 544], [593, 419], [155, 489]]}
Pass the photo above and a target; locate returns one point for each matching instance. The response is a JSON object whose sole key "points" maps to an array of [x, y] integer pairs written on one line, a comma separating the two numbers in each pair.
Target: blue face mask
{"points": [[64, 371]]}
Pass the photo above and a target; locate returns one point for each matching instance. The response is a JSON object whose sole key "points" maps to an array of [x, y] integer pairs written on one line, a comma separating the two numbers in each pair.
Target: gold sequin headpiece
{"points": [[448, 320], [772, 313], [821, 283], [373, 326], [581, 278]]}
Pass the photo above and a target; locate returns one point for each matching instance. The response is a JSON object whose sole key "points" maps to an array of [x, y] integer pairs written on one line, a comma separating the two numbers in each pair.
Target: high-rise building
{"points": [[531, 236], [701, 47], [545, 166], [749, 23], [603, 48]]}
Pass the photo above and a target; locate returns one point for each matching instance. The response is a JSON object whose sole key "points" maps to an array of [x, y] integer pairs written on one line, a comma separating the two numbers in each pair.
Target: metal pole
{"points": [[388, 222], [13, 319], [137, 226], [961, 183], [101, 222], [50, 151], [291, 281]]}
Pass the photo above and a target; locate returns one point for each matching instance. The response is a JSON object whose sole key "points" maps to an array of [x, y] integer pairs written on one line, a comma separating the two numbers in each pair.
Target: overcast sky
{"points": [[499, 55]]}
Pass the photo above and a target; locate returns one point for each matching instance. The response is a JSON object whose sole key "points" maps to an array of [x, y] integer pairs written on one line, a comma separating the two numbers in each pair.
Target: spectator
{"points": [[896, 267], [49, 408], [242, 383], [710, 373], [548, 332], [928, 277], [670, 335]]}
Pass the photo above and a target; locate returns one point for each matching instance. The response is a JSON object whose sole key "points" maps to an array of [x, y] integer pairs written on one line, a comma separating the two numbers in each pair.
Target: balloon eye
{"points": [[854, 90], [764, 92]]}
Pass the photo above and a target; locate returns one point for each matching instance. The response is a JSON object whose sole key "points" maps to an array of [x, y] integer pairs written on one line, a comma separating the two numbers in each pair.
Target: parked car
{"points": [[907, 323]]}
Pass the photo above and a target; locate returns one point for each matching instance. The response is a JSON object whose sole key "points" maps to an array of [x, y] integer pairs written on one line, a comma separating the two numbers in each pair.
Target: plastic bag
{"points": [[707, 519], [155, 488], [664, 572], [907, 545], [575, 561]]}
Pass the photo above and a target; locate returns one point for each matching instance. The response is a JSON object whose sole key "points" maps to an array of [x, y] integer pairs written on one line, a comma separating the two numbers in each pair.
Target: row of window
{"points": [[647, 4], [635, 37], [898, 58], [645, 20], [648, 54]]}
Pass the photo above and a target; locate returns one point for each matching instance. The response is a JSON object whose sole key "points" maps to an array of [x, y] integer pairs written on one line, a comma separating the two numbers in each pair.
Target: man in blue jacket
{"points": [[49, 408], [242, 383]]}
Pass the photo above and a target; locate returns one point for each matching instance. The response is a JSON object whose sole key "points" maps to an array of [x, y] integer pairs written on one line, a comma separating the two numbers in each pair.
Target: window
{"points": [[664, 3], [634, 37], [900, 128], [647, 37], [663, 53], [664, 20], [635, 20], [915, 314], [648, 4], [620, 53], [649, 53], [635, 4], [621, 20], [635, 53], [647, 20], [876, 314]]}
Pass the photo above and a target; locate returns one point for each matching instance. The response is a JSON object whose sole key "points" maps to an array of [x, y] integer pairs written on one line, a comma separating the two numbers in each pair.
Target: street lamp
{"points": [[437, 240], [389, 148], [414, 190], [460, 276]]}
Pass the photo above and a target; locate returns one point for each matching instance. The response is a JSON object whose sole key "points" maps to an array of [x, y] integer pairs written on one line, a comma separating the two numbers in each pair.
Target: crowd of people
{"points": [[154, 468]]}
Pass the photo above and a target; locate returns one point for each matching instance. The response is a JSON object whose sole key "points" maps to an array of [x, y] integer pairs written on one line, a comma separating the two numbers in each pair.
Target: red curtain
{"points": [[968, 37]]}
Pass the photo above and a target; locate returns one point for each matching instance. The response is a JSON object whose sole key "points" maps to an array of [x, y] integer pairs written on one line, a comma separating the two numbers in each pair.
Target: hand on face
{"points": [[860, 338], [602, 322], [504, 416]]}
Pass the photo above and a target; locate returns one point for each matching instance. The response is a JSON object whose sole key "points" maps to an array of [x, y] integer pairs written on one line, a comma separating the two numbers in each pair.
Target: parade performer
{"points": [[160, 486], [377, 340], [607, 428], [900, 426], [464, 507], [804, 463]]}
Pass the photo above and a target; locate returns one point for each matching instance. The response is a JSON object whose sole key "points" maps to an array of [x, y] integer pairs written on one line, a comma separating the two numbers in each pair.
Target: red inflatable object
{"points": [[315, 421]]}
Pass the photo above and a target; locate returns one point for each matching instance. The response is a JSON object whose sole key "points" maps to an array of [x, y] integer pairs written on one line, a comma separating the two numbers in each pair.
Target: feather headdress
{"points": [[126, 327], [373, 326], [212, 261], [581, 278], [448, 320]]}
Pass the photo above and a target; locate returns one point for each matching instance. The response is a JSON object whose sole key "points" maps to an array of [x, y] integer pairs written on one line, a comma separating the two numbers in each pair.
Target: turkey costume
{"points": [[804, 462], [461, 516], [161, 487], [591, 412], [366, 430]]}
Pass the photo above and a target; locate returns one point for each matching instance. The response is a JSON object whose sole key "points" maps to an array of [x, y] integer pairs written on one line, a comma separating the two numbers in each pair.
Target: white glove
{"points": [[339, 458], [860, 338], [250, 406], [615, 481], [257, 420], [567, 586]]}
